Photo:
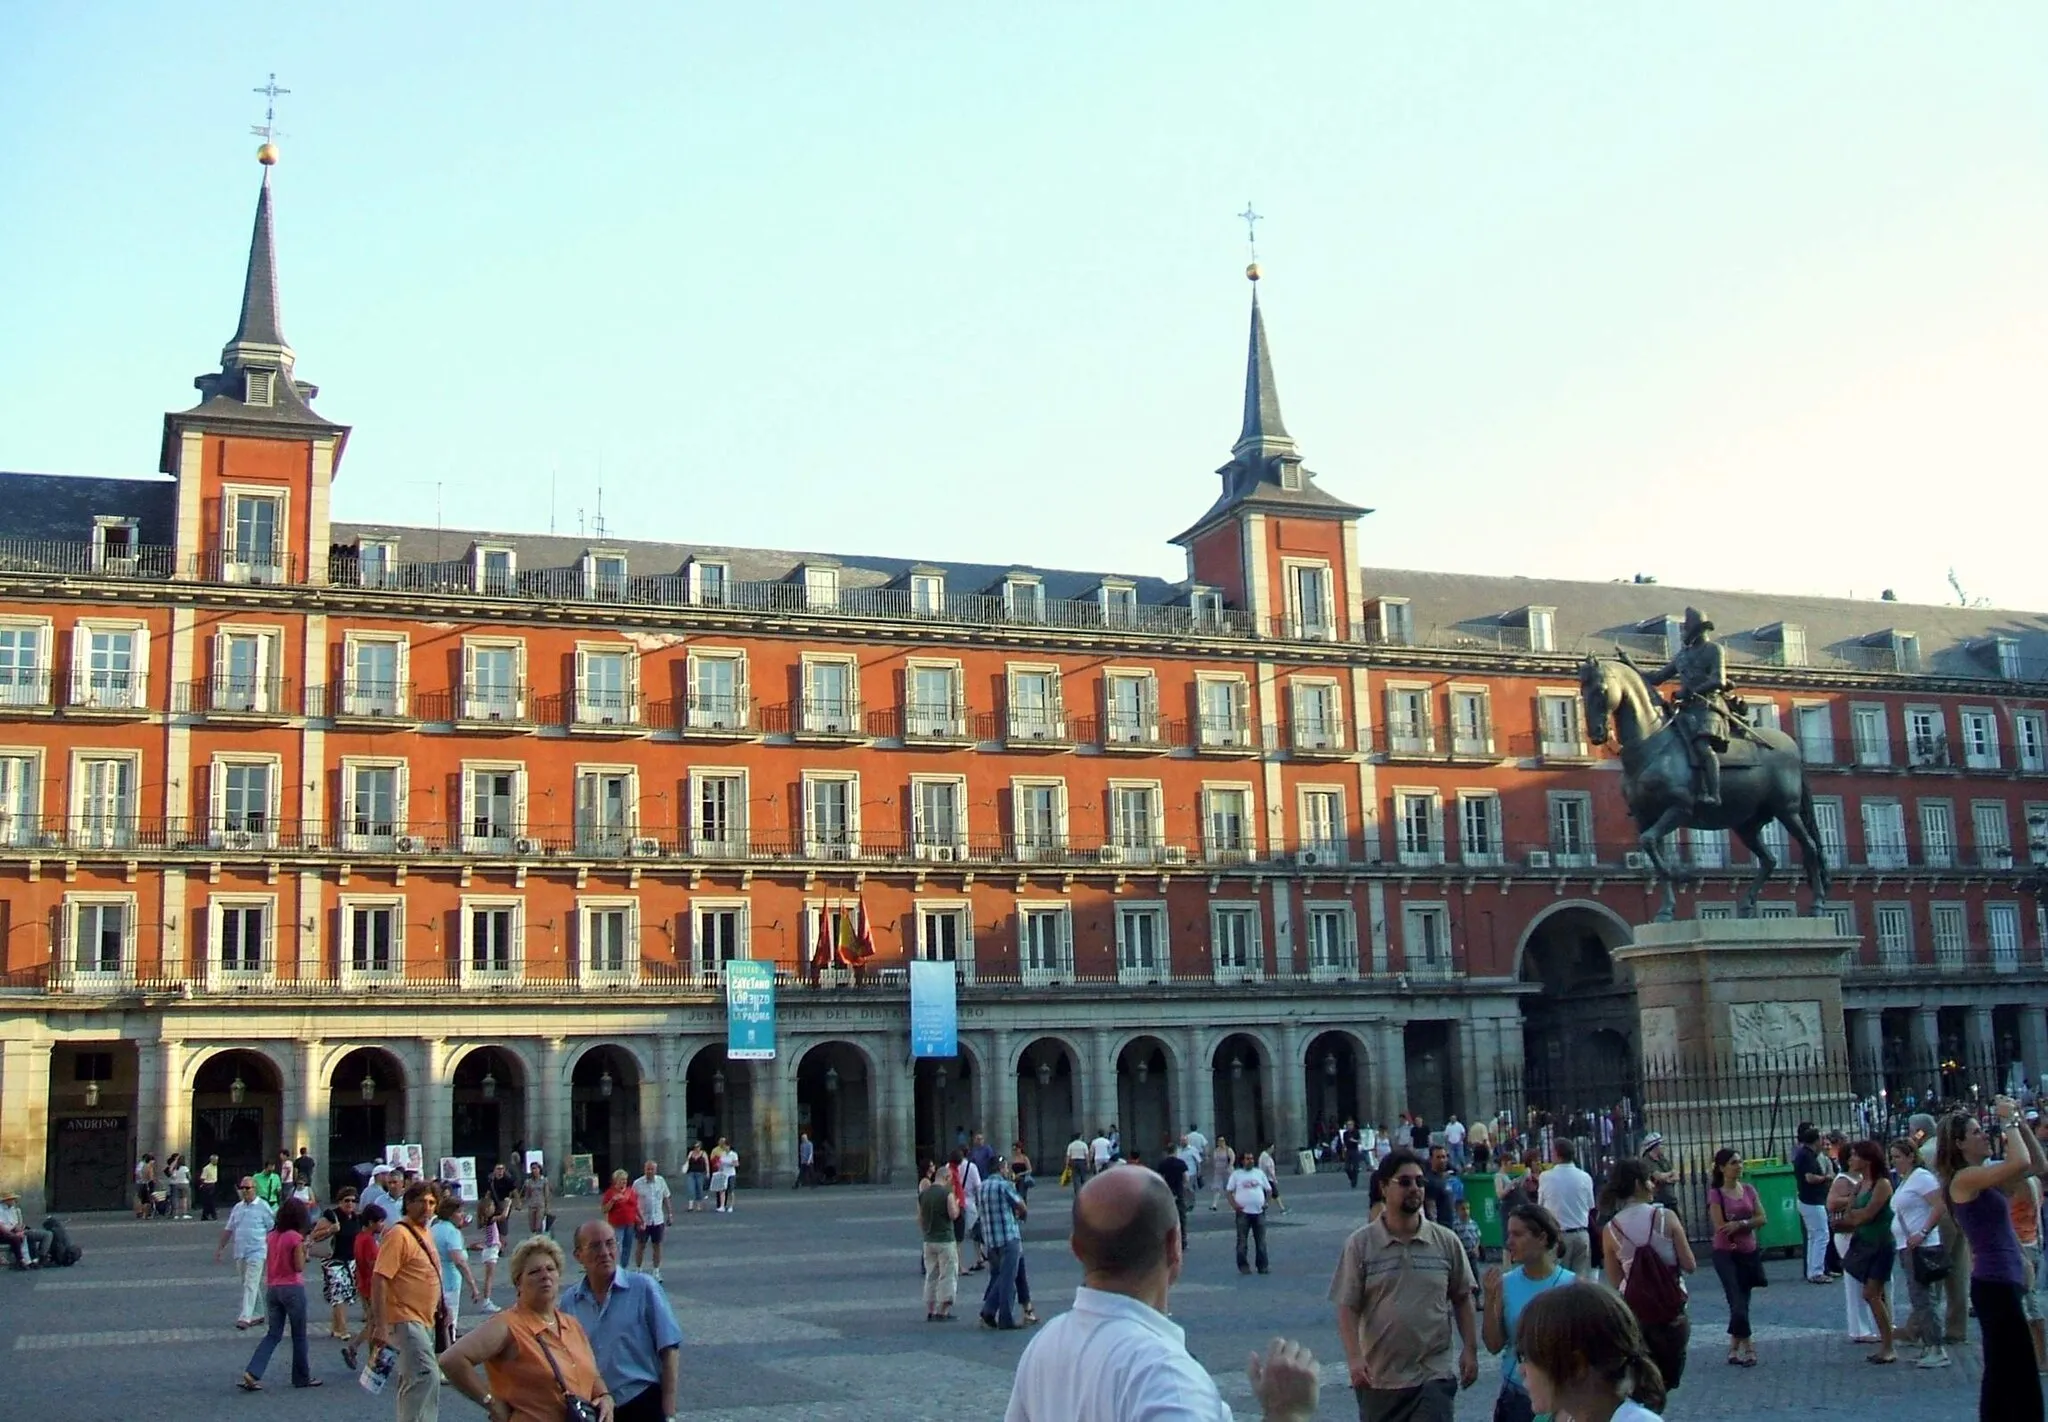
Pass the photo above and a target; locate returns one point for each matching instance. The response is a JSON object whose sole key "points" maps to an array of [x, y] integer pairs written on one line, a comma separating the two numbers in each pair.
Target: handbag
{"points": [[1749, 1270], [444, 1327], [574, 1408], [1862, 1254], [1930, 1266]]}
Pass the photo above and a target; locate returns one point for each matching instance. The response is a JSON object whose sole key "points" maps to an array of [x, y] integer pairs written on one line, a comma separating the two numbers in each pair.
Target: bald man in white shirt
{"points": [[1117, 1355]]}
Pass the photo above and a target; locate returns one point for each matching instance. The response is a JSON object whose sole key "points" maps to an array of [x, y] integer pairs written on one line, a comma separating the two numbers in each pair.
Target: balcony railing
{"points": [[838, 717], [1928, 753], [1407, 741], [707, 714], [1310, 736], [25, 689], [236, 697], [84, 560], [366, 700], [1127, 731], [116, 691], [253, 567], [1045, 726]]}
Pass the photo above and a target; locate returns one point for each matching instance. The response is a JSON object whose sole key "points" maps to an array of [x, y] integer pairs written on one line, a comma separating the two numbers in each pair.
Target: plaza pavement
{"points": [[806, 1306]]}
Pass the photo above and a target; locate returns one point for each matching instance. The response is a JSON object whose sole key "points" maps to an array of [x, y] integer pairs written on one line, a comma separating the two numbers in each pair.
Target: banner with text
{"points": [[749, 1011], [934, 1010]]}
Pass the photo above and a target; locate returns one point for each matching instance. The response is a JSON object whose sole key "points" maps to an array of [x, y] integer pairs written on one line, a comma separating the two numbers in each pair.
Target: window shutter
{"points": [[917, 812], [468, 822], [739, 688], [220, 662], [633, 687], [519, 681], [736, 812], [468, 683], [216, 797], [81, 661], [1436, 825], [853, 813], [580, 710], [270, 937], [140, 695], [519, 801], [403, 692], [1151, 703], [213, 950], [586, 803], [401, 810]]}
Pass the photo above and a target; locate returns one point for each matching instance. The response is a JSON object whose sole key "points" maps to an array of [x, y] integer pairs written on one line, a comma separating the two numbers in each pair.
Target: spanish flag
{"points": [[849, 950]]}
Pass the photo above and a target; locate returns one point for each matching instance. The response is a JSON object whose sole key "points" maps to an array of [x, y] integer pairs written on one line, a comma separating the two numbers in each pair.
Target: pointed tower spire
{"points": [[260, 323], [1265, 434]]}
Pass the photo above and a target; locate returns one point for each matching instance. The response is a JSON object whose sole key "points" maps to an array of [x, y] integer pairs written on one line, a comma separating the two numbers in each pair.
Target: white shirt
{"points": [[1198, 1143], [248, 1222], [10, 1217], [1454, 1134], [1112, 1359], [1634, 1412], [1567, 1192], [1077, 1149], [1248, 1190], [1912, 1203], [1099, 1148], [651, 1194]]}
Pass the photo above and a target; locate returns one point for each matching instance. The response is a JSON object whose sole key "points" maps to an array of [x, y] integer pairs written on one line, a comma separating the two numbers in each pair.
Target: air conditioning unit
{"points": [[408, 844], [943, 853], [1110, 854], [1539, 859], [644, 847], [1174, 854], [1307, 858], [1636, 859], [525, 845]]}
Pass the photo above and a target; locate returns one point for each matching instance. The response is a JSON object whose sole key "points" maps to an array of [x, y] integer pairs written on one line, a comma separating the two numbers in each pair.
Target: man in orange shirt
{"points": [[407, 1291]]}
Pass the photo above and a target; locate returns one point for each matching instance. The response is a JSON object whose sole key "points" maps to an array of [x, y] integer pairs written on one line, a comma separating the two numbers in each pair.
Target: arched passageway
{"points": [[1237, 1090], [604, 1111], [835, 1102], [367, 1104], [238, 1114], [1144, 1097], [1048, 1101]]}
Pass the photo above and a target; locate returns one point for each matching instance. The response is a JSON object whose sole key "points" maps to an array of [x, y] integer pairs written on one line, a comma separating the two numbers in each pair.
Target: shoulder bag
{"points": [[574, 1408], [444, 1327]]}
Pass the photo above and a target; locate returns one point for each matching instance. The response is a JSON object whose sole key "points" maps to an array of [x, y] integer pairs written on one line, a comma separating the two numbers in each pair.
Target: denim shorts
{"points": [[2030, 1300]]}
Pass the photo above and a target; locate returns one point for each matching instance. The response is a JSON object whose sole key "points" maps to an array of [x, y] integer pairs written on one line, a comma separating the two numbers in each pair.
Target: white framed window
{"points": [[1980, 739], [376, 676], [1479, 830], [103, 798], [831, 814], [1872, 735], [1023, 599], [493, 568], [1136, 821], [1426, 939], [373, 804], [1036, 711], [493, 941], [604, 576], [1119, 605], [718, 812], [493, 681], [1776, 910], [608, 942], [1571, 828], [2002, 936], [1991, 828], [245, 678], [1205, 607], [1141, 942], [1408, 729], [607, 686], [1764, 715], [1132, 698], [1418, 827], [24, 664], [1311, 605], [1926, 736], [99, 947], [1235, 951], [933, 706], [116, 545], [1332, 941], [1708, 849], [241, 943], [945, 934], [1318, 721], [1038, 819], [21, 789], [710, 582], [928, 594], [1950, 928], [1832, 828], [110, 666], [1884, 834], [938, 816], [2037, 833], [821, 587], [1045, 946], [2009, 664], [1560, 727], [1227, 834], [831, 695], [721, 932], [1397, 621], [718, 690], [1791, 644], [608, 810], [377, 563], [253, 529], [1816, 730], [1224, 705], [372, 941], [493, 806], [2030, 735], [1894, 935], [1775, 840], [244, 793], [1906, 651], [1937, 834], [1324, 833], [1471, 722], [1542, 629], [1844, 919]]}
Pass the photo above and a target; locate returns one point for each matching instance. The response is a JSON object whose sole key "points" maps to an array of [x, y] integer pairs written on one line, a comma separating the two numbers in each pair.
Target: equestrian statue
{"points": [[1699, 764]]}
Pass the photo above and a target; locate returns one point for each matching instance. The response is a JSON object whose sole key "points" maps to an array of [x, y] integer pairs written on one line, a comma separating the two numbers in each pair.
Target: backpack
{"points": [[62, 1251], [1651, 1287]]}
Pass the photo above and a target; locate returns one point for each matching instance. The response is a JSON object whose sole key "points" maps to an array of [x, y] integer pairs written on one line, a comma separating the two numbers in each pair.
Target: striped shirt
{"points": [[998, 1200]]}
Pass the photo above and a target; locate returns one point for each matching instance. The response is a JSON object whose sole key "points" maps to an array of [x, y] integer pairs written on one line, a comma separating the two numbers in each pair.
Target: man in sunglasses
{"points": [[1399, 1286], [248, 1229]]}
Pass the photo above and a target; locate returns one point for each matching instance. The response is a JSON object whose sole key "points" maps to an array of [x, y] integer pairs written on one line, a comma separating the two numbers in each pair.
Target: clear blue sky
{"points": [[951, 280]]}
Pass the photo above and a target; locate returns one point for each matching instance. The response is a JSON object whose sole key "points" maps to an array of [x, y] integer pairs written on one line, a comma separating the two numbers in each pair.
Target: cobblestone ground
{"points": [[806, 1306]]}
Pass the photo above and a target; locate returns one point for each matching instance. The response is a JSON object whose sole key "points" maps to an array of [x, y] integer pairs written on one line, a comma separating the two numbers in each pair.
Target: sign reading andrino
{"points": [[749, 1011]]}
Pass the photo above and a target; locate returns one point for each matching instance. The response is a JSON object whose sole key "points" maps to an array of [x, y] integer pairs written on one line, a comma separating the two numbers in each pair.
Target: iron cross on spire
{"points": [[267, 130], [1251, 221]]}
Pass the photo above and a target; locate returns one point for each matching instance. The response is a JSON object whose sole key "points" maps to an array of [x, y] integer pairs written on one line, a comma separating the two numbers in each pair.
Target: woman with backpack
{"points": [[1867, 1219], [1645, 1259]]}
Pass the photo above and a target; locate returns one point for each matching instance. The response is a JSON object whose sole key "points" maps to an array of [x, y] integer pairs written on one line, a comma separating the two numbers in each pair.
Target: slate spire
{"points": [[260, 324], [1265, 433]]}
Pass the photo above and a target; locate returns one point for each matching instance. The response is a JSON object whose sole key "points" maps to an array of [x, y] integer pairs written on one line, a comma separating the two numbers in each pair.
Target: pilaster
{"points": [[1390, 1048], [1195, 1105], [1101, 1092], [999, 1091], [2034, 1042], [1291, 1094], [173, 1104], [25, 1121], [551, 1131], [149, 1096], [434, 1116], [1982, 1046], [1925, 1042]]}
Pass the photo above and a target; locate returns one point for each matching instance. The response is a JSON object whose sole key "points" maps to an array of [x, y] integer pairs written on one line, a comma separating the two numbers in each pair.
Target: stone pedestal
{"points": [[1742, 1034]]}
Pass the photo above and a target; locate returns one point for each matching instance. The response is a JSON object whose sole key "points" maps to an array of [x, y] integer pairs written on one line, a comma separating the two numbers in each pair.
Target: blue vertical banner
{"points": [[934, 1010], [749, 1011]]}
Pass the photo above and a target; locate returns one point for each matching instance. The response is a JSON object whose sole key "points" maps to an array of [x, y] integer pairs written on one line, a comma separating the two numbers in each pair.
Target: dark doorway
{"points": [[90, 1167]]}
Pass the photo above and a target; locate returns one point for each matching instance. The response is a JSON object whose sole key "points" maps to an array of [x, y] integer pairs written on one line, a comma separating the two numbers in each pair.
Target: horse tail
{"points": [[1812, 827]]}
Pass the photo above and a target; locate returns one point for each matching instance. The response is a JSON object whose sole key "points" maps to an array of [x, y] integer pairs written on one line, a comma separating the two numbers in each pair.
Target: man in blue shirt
{"points": [[1001, 1209], [632, 1329]]}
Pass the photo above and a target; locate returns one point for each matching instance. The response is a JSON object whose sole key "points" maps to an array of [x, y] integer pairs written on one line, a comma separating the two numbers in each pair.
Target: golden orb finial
{"points": [[1251, 273], [267, 154]]}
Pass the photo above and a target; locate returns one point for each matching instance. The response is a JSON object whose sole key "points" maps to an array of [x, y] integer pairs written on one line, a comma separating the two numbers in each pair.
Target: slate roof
{"points": [[60, 508]]}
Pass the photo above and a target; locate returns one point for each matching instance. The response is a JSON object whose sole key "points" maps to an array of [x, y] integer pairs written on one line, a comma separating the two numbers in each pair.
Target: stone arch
{"points": [[1241, 1066], [838, 1099], [1048, 1112], [523, 1052], [639, 1049], [607, 1111], [1073, 1050], [719, 1100], [1622, 928], [951, 1096], [1335, 1069], [244, 1127], [490, 1087], [360, 1125], [200, 1056], [1148, 1086], [1567, 951]]}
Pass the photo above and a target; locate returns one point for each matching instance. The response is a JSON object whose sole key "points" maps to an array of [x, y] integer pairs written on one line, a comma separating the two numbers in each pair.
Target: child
{"points": [[1583, 1356], [374, 1221], [490, 1241], [1468, 1233]]}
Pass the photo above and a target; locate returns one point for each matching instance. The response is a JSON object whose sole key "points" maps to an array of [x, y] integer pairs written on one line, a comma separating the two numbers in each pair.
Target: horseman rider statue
{"points": [[1706, 709]]}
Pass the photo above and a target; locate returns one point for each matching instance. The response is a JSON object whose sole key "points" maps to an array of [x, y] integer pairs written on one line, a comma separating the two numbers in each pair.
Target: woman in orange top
{"points": [[525, 1348]]}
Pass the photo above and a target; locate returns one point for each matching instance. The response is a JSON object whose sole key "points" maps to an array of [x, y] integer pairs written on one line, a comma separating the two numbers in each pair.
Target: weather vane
{"points": [[1251, 220], [267, 130]]}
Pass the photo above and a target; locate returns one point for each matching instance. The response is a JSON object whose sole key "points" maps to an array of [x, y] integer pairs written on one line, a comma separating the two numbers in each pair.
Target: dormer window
{"points": [[376, 563], [258, 386], [1670, 628], [494, 571], [1207, 606], [1906, 651], [1290, 474], [927, 594], [709, 582], [1397, 621], [1119, 604], [1024, 599], [114, 543], [821, 586], [252, 528], [2008, 658], [604, 576], [1792, 644], [1542, 624]]}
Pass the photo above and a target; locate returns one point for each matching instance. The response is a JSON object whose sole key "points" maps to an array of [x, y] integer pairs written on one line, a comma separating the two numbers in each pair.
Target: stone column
{"points": [[899, 1154], [2034, 1043], [434, 1116], [25, 1122], [174, 1104], [1390, 1052], [306, 1104], [550, 1130], [999, 1091], [1465, 1052], [1981, 1064], [668, 1145], [149, 1096], [1196, 1108], [1509, 1063], [1100, 1094], [1866, 1049], [1925, 1044], [1291, 1096]]}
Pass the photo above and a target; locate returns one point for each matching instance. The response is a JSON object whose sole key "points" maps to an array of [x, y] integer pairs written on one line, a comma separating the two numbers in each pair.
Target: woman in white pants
{"points": [[1862, 1326]]}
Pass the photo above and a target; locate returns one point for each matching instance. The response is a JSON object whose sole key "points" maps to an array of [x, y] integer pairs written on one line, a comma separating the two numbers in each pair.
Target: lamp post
{"points": [[605, 1084], [238, 1090], [368, 1089]]}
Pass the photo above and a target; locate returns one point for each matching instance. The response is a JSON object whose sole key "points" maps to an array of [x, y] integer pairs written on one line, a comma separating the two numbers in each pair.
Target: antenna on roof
{"points": [[553, 472], [597, 523]]}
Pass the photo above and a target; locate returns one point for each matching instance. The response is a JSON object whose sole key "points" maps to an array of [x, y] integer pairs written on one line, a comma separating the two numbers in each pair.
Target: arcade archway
{"points": [[1580, 1030], [1048, 1101], [835, 1102]]}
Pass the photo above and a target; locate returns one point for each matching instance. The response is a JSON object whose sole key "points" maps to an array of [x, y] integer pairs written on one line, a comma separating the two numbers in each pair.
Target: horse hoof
{"points": [[1664, 916]]}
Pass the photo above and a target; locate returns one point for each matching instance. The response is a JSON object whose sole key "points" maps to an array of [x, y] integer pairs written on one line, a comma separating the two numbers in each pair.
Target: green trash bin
{"points": [[1479, 1194], [1779, 1195]]}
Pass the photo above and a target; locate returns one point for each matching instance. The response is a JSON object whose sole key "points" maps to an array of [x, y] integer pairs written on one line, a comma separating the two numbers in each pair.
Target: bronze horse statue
{"points": [[1763, 780]]}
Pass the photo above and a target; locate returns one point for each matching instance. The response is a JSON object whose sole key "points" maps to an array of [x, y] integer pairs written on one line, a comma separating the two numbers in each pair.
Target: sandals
{"points": [[1882, 1358], [247, 1383]]}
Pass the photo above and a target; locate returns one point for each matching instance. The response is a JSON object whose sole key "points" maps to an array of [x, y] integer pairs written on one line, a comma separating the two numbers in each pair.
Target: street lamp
{"points": [[939, 1078], [369, 1087], [831, 1080], [238, 1090], [1236, 1067], [604, 1084], [1330, 1065], [1044, 1072], [92, 1093], [489, 1085], [718, 1082], [1144, 1070]]}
